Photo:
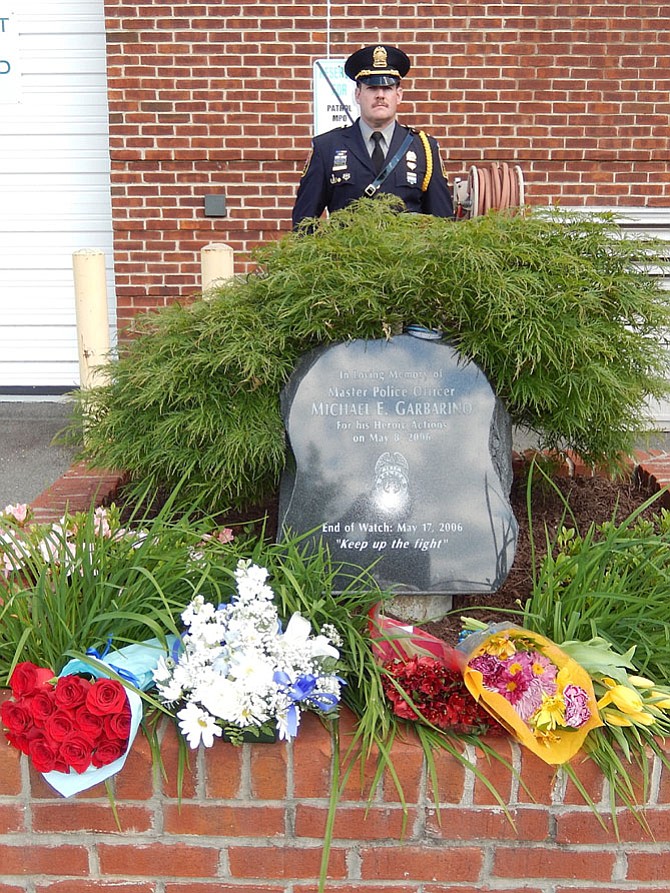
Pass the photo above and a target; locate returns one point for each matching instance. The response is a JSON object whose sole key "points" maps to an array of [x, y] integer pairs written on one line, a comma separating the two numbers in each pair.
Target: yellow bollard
{"points": [[217, 264], [90, 291]]}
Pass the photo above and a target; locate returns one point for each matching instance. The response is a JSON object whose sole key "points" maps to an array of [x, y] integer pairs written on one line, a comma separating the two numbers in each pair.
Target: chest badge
{"points": [[340, 160]]}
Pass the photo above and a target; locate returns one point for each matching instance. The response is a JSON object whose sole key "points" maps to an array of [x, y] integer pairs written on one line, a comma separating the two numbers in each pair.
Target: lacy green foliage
{"points": [[556, 309]]}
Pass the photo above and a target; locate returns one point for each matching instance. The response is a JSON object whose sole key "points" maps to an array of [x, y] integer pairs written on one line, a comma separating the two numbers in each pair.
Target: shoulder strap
{"points": [[383, 174]]}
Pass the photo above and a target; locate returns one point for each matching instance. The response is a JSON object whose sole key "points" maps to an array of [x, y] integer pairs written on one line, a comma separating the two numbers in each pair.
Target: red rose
{"points": [[44, 755], [41, 705], [106, 696], [89, 724], [20, 740], [60, 725], [118, 725], [76, 751], [16, 716], [108, 751], [71, 691], [27, 677]]}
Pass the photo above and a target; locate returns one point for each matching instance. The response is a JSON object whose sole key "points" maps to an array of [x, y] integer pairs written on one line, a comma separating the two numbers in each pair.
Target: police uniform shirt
{"points": [[387, 136], [340, 168]]}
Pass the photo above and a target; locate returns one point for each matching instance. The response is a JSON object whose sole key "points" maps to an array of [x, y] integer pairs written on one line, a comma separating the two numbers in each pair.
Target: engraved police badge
{"points": [[379, 57]]}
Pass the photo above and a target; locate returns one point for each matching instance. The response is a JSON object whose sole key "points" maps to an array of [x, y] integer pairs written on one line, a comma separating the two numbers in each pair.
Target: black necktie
{"points": [[377, 152]]}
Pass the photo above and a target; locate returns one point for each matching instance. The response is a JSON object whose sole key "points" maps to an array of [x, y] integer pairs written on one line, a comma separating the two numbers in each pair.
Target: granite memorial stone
{"points": [[400, 456]]}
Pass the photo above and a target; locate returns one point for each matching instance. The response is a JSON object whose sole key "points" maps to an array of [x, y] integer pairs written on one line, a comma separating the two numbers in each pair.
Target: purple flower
{"points": [[577, 710]]}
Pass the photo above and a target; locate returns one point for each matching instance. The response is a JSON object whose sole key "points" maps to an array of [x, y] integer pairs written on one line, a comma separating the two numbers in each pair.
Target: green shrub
{"points": [[556, 309]]}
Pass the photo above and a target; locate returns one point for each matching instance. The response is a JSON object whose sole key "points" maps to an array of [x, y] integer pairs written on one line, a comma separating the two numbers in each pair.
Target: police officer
{"points": [[375, 154]]}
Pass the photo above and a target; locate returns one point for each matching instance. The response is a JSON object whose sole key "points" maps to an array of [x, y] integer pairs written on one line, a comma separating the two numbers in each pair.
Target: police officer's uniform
{"points": [[340, 169]]}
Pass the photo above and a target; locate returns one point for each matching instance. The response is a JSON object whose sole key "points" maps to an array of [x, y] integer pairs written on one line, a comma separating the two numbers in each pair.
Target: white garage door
{"points": [[54, 183]]}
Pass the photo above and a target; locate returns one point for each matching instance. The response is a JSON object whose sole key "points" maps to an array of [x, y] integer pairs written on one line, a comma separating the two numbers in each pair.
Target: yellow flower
{"points": [[640, 682], [614, 718], [643, 718], [623, 697], [500, 646], [550, 714], [664, 700]]}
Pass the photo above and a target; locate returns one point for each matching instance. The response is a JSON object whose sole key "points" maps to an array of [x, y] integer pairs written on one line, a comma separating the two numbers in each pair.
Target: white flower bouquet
{"points": [[237, 671]]}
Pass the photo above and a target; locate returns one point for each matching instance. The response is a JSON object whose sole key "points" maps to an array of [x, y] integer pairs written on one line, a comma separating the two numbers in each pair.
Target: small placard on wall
{"points": [[10, 67], [334, 103]]}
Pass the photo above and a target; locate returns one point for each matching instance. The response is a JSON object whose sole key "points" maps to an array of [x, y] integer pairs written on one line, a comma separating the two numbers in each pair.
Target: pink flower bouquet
{"points": [[539, 694]]}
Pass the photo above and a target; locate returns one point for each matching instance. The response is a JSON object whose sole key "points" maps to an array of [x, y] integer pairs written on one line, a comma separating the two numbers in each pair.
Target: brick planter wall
{"points": [[252, 819]]}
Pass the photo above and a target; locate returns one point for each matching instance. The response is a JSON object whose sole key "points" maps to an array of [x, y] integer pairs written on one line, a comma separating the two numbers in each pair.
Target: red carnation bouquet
{"points": [[68, 723], [423, 679], [422, 688]]}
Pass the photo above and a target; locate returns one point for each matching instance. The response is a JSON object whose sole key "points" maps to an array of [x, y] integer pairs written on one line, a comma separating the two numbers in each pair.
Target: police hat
{"points": [[378, 66]]}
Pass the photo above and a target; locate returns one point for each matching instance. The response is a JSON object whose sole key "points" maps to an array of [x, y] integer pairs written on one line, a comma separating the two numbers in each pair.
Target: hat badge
{"points": [[379, 57]]}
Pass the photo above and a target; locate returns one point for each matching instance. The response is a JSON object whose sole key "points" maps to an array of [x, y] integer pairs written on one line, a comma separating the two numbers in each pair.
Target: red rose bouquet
{"points": [[68, 723], [77, 729]]}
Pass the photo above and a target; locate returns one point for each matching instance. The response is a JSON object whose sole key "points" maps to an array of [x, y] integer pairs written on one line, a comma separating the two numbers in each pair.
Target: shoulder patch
{"points": [[306, 167]]}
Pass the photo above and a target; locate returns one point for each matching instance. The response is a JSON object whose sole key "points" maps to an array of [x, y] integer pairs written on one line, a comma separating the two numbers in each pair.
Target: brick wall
{"points": [[216, 96], [253, 818]]}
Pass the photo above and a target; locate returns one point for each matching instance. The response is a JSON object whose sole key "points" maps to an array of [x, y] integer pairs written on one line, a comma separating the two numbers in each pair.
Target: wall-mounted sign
{"points": [[334, 104], [10, 70]]}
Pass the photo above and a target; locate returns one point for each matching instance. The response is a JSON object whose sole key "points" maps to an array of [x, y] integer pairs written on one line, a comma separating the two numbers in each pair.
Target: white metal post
{"points": [[90, 290], [217, 264]]}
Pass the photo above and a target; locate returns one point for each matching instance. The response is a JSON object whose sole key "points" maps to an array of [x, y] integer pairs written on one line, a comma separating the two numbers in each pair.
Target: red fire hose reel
{"points": [[495, 186]]}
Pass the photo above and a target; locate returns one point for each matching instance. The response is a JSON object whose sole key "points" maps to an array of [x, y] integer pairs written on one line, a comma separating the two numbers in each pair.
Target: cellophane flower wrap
{"points": [[238, 670], [77, 727], [543, 698], [423, 679]]}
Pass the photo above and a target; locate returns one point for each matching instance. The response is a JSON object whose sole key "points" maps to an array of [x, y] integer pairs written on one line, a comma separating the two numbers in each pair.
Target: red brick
{"points": [[223, 770], [590, 776], [173, 752], [10, 764], [463, 824], [495, 765], [33, 860], [421, 863], [537, 779], [194, 887], [11, 818], [91, 886], [648, 866], [312, 757], [352, 823], [135, 781], [545, 863], [268, 771], [267, 863], [450, 776], [409, 768], [77, 815], [158, 859], [224, 821]]}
